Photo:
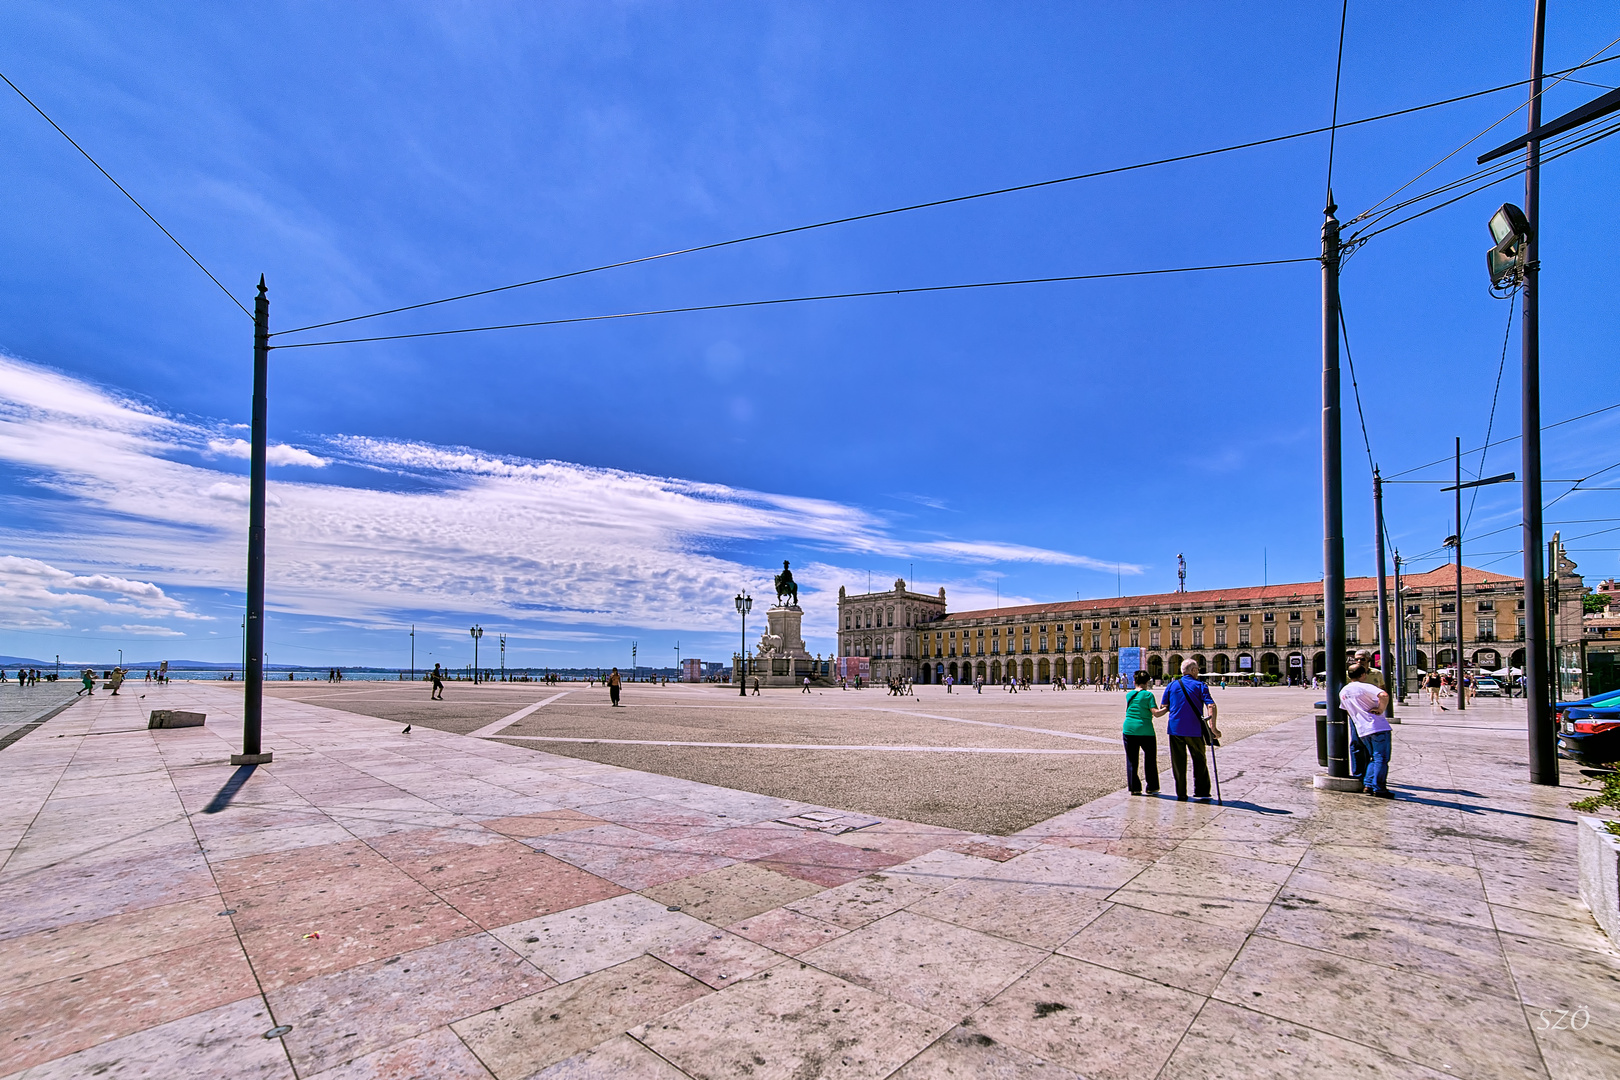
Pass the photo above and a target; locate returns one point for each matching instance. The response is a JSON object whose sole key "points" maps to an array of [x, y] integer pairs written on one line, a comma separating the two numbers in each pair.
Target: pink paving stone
{"points": [[293, 865], [62, 952], [826, 862], [284, 955], [344, 1015], [223, 1042], [302, 900], [667, 820], [436, 1055], [539, 885], [786, 931], [79, 891], [743, 842], [628, 858], [544, 823], [65, 1015]]}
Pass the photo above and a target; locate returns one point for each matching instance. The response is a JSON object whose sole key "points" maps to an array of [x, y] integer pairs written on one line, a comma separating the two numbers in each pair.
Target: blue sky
{"points": [[582, 487]]}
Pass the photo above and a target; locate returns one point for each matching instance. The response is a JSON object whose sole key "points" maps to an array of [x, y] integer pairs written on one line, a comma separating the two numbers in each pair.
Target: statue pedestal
{"points": [[783, 636]]}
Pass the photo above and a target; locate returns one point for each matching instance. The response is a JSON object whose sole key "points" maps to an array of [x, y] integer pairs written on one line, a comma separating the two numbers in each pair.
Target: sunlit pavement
{"points": [[381, 904]]}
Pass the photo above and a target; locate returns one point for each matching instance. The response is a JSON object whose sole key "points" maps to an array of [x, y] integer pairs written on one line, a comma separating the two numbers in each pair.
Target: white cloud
{"points": [[277, 454], [533, 541], [35, 595], [142, 630]]}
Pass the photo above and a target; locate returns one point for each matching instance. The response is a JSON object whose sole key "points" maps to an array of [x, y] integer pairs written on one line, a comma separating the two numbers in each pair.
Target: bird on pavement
{"points": [[407, 730]]}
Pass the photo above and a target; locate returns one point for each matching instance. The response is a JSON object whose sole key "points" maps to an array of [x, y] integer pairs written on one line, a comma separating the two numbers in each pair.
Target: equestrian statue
{"points": [[786, 586]]}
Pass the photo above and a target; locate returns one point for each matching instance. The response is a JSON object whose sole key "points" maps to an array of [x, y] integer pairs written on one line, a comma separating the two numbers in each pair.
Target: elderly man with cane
{"points": [[1190, 730]]}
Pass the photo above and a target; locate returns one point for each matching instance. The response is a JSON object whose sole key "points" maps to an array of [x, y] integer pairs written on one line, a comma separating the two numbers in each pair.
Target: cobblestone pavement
{"points": [[23, 707], [992, 762], [380, 904]]}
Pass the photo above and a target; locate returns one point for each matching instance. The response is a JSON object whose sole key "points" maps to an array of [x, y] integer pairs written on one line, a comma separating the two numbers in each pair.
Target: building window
{"points": [[1113, 641], [1175, 639], [1243, 635], [1198, 620], [1447, 609], [1153, 622], [1063, 642], [1271, 635], [1486, 605], [1220, 638], [1295, 616], [1153, 639], [1448, 630], [1244, 617], [1136, 639], [1175, 620], [1486, 628], [1294, 635], [1220, 620], [1198, 638], [1270, 616], [1135, 623], [1352, 634], [1414, 609], [1096, 642], [1521, 627], [1043, 643]]}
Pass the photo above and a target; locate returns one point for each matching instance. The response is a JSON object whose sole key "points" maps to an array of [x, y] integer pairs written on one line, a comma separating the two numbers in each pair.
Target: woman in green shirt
{"points": [[1140, 709]]}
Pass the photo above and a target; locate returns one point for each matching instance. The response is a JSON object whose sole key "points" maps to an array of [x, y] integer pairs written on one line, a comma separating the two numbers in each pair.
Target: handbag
{"points": [[1199, 707]]}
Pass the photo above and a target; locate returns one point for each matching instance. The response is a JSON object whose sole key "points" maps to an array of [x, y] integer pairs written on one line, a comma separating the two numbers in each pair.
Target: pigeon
{"points": [[407, 730]]}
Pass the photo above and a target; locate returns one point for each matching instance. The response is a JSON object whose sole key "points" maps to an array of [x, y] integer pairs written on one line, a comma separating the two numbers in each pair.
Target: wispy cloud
{"points": [[483, 534]]}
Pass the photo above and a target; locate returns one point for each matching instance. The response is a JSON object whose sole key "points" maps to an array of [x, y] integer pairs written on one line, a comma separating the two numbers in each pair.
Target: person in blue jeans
{"points": [[1366, 704]]}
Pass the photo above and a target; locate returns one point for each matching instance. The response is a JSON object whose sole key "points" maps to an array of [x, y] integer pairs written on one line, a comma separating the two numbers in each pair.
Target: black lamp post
{"points": [[477, 632], [745, 604]]}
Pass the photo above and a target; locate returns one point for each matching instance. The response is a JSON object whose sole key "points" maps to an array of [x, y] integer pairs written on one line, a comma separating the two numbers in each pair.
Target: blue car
{"points": [[1589, 730]]}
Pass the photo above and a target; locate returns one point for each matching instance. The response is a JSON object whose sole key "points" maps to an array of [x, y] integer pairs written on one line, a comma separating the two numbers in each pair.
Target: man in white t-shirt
{"points": [[1365, 703]]}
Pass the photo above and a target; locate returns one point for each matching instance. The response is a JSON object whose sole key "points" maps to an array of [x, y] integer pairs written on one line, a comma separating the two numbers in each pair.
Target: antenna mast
{"points": [[1181, 573]]}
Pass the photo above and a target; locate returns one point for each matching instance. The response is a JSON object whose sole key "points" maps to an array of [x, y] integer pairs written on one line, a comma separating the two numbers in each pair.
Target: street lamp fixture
{"points": [[476, 632], [745, 604], [1511, 233]]}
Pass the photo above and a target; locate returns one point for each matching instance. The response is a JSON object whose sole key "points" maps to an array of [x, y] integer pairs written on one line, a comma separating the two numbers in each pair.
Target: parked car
{"points": [[1589, 730], [1487, 686]]}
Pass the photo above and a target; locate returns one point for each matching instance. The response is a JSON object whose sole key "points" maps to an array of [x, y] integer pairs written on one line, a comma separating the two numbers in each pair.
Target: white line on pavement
{"points": [[507, 721], [800, 746], [989, 723]]}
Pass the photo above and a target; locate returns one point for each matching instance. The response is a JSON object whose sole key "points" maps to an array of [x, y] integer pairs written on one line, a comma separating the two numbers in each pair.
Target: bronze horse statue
{"points": [[785, 585]]}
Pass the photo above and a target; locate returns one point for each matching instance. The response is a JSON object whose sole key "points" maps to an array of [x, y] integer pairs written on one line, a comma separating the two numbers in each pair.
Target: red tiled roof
{"points": [[1363, 588]]}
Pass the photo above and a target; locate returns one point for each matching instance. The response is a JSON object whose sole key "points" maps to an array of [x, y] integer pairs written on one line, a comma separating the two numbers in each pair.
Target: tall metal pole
{"points": [[1401, 644], [1538, 690], [253, 630], [1383, 599], [1332, 499], [1462, 696], [1555, 551], [413, 652]]}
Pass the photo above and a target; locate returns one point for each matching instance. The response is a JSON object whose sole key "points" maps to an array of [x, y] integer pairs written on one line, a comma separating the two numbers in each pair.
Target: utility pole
{"points": [[1539, 691], [1555, 553], [1181, 573], [1402, 646], [503, 658], [1383, 601], [476, 632], [745, 603], [253, 630], [1462, 695], [632, 661], [1338, 736], [413, 652]]}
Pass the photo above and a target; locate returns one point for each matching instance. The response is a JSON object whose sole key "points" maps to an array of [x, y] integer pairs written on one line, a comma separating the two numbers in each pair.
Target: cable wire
{"points": [[1338, 69], [1502, 442], [126, 193], [1491, 423], [1354, 386], [924, 205], [1476, 138], [797, 300]]}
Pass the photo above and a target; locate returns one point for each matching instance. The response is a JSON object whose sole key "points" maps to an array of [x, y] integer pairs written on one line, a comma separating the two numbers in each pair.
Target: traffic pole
{"points": [[1338, 775], [1383, 600], [1462, 695]]}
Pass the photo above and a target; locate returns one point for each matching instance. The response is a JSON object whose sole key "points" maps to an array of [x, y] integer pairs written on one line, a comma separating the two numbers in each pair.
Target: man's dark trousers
{"points": [[1180, 747], [1149, 746]]}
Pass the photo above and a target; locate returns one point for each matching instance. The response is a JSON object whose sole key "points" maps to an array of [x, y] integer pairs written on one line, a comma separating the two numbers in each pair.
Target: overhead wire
{"points": [[74, 143], [1503, 442], [1115, 170], [796, 300], [1338, 70], [1548, 86], [1491, 422]]}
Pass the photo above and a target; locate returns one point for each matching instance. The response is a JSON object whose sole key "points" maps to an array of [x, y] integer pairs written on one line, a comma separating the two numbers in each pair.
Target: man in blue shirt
{"points": [[1186, 698]]}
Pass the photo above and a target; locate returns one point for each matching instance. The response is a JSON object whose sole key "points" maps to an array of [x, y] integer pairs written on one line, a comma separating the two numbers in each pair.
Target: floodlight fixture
{"points": [[1510, 231]]}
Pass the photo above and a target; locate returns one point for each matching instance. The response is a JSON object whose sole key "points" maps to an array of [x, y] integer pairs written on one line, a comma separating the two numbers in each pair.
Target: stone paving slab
{"points": [[382, 904]]}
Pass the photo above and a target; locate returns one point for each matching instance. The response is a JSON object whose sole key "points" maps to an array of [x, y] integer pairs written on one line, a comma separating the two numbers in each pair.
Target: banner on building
{"points": [[855, 667], [1245, 663], [1130, 662]]}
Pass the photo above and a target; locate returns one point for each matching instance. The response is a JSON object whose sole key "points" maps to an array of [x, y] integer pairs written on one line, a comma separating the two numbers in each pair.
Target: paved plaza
{"points": [[380, 904], [993, 762]]}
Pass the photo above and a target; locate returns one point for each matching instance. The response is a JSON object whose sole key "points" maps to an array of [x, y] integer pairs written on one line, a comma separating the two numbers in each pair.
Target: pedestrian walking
{"points": [[116, 680], [438, 684], [613, 687], [1366, 705], [1185, 699], [1140, 709], [87, 677], [807, 684]]}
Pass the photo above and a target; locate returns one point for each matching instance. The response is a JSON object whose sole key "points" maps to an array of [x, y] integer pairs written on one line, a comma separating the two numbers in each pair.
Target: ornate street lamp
{"points": [[745, 604], [477, 632]]}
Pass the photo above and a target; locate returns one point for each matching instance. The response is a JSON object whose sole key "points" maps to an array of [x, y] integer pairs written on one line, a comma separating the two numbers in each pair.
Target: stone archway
{"points": [[1029, 671], [1043, 671], [1202, 662], [995, 671], [951, 669], [1155, 667], [1269, 665], [1096, 669], [1173, 668], [1222, 664], [1319, 663]]}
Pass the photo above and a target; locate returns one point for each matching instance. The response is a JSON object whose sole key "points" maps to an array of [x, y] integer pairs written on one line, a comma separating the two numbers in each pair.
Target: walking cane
{"points": [[1214, 764]]}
